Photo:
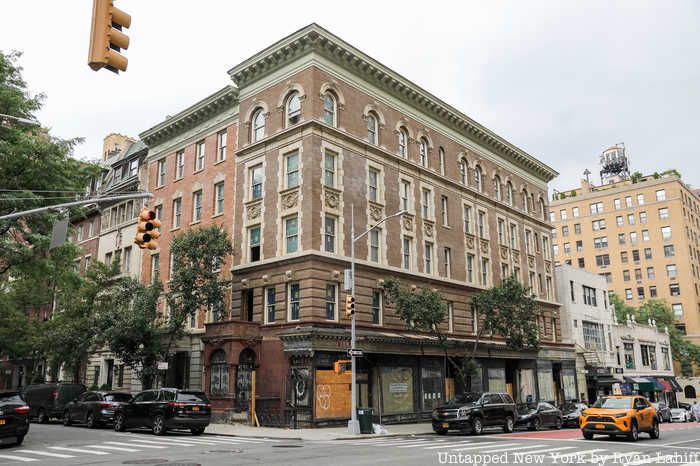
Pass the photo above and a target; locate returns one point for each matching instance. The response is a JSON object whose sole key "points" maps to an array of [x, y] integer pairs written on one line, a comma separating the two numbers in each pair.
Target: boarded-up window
{"points": [[333, 397]]}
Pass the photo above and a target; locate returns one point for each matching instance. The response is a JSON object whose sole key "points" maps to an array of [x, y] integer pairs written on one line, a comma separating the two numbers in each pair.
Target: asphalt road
{"points": [[56, 445]]}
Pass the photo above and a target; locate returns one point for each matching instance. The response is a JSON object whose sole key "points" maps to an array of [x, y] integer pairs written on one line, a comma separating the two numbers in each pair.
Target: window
{"points": [[552, 217], [501, 231], [374, 245], [441, 159], [575, 212], [621, 238], [179, 164], [258, 127], [669, 251], [428, 264], [406, 252], [270, 301], [291, 231], [571, 291], [484, 271], [447, 254], [565, 230], [497, 188], [628, 201], [630, 219], [293, 301], [635, 256], [640, 292], [177, 212], [481, 223], [219, 373], [255, 174], [425, 202], [619, 221], [372, 129], [219, 198], [376, 307], [478, 179], [197, 206], [133, 167], [577, 228], [626, 275], [589, 296], [645, 235], [601, 242], [329, 109], [579, 246], [254, 241], [443, 211], [647, 253], [470, 268], [564, 215], [677, 310], [291, 164], [528, 241], [555, 249], [221, 138], [403, 142], [663, 213], [661, 195], [596, 208], [618, 204], [581, 262], [161, 172], [674, 289], [602, 260], [593, 335], [651, 275], [467, 218], [331, 301], [450, 317], [642, 218], [463, 171], [513, 236], [405, 195], [598, 225], [329, 169], [633, 238], [372, 184], [293, 109], [666, 233], [423, 152], [126, 262], [666, 358], [155, 267], [629, 355], [199, 156], [624, 257], [329, 233], [628, 293], [652, 292], [509, 193]]}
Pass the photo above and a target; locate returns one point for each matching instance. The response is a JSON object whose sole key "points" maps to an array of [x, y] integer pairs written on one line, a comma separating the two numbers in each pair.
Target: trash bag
{"points": [[379, 429]]}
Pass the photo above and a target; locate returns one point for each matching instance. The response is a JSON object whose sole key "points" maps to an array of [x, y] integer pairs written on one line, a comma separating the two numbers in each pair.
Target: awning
{"points": [[666, 384], [675, 387], [659, 386], [607, 380], [644, 384]]}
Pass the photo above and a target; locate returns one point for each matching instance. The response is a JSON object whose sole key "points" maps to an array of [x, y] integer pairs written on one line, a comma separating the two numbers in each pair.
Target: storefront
{"points": [[601, 381], [662, 389]]}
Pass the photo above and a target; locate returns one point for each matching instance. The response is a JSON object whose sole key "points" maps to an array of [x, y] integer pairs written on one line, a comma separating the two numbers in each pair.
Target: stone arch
{"points": [[372, 108], [689, 392], [284, 95], [423, 134], [332, 87], [258, 104]]}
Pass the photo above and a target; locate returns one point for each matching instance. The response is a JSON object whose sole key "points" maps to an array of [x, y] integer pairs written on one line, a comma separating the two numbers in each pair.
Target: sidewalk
{"points": [[322, 433]]}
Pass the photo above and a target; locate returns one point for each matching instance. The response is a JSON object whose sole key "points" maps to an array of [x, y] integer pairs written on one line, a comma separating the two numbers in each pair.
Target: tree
{"points": [[508, 310]]}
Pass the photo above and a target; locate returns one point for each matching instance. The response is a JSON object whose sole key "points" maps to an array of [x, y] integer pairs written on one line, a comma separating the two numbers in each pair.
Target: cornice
{"points": [[316, 39], [190, 116]]}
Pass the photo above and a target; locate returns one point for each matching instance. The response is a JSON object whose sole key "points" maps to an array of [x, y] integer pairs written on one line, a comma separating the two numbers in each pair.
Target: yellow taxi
{"points": [[624, 415]]}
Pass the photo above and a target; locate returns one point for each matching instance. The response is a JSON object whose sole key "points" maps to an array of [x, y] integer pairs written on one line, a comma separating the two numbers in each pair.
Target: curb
{"points": [[255, 436], [354, 437], [366, 436]]}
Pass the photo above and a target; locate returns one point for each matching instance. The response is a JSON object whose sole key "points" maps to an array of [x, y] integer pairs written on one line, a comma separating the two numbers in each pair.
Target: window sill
{"points": [[195, 222], [199, 170], [217, 215], [178, 179], [220, 161], [175, 229]]}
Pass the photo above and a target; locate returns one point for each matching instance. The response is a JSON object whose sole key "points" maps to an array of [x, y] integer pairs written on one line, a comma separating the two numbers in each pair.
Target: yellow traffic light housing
{"points": [[107, 38], [341, 366], [349, 305], [146, 233]]}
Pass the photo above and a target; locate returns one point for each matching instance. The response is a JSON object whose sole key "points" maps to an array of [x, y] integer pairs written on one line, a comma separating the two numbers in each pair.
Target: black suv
{"points": [[163, 409], [473, 411]]}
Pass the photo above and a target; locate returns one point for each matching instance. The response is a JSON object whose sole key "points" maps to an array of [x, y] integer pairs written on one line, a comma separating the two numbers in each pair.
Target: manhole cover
{"points": [[148, 461], [286, 446]]}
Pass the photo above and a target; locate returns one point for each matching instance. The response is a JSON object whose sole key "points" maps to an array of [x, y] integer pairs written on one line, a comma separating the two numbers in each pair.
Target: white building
{"points": [[611, 357]]}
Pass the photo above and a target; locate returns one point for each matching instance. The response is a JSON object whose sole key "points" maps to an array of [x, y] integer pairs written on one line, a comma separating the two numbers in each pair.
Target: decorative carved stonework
{"points": [[504, 252], [548, 267], [428, 228], [253, 211], [531, 262], [332, 199], [516, 256], [484, 246], [470, 242], [375, 212], [290, 199], [407, 223]]}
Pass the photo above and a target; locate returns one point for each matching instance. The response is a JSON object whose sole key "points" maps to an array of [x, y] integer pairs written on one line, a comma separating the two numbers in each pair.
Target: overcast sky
{"points": [[562, 80]]}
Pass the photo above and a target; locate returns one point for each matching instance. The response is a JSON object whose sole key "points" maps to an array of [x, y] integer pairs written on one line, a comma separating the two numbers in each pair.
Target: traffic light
{"points": [[146, 233], [107, 38], [349, 305], [341, 366]]}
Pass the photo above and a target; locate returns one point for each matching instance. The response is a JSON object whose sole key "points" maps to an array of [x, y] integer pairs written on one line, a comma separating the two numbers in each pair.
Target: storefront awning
{"points": [[675, 387], [607, 380], [643, 384], [666, 384]]}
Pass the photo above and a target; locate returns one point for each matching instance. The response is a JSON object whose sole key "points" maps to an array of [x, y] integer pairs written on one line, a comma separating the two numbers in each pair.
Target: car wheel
{"points": [[535, 424], [119, 423], [66, 418], [634, 432], [654, 432], [42, 417], [509, 425], [90, 421], [477, 426], [158, 426], [19, 441], [558, 423], [588, 435], [197, 430]]}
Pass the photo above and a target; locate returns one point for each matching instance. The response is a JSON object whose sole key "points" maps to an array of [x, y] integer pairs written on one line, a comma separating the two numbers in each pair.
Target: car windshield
{"points": [[195, 397], [10, 398], [613, 403], [465, 398], [118, 397]]}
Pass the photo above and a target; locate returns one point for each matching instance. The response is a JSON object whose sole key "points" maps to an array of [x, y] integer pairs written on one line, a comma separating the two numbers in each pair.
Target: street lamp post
{"points": [[24, 121], [353, 424]]}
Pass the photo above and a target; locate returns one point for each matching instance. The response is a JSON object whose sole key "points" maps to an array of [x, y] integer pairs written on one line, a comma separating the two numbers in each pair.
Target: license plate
{"points": [[445, 425], [195, 408], [2, 422], [600, 426]]}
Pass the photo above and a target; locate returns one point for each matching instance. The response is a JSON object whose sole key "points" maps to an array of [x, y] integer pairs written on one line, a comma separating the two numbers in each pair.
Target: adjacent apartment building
{"points": [[311, 130], [642, 236]]}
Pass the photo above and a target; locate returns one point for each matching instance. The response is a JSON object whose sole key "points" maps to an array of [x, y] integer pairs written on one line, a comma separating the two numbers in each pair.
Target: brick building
{"points": [[314, 127]]}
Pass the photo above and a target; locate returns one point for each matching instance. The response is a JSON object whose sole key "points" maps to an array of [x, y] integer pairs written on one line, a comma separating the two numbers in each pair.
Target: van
{"points": [[47, 400]]}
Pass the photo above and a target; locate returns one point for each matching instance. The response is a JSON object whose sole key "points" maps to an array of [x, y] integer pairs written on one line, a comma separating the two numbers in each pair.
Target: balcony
{"points": [[232, 329]]}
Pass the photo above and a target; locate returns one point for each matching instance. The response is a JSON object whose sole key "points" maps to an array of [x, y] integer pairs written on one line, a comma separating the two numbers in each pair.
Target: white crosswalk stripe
{"points": [[544, 450], [503, 448], [449, 445], [188, 441], [18, 458], [80, 450], [583, 454], [484, 444], [153, 442], [248, 439], [653, 459], [132, 445], [419, 444], [44, 453], [391, 442], [109, 447]]}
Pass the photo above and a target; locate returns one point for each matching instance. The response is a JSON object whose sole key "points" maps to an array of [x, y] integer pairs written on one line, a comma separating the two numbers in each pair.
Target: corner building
{"points": [[325, 129]]}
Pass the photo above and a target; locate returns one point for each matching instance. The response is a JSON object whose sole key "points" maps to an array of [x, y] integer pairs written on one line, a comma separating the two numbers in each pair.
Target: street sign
{"points": [[355, 353], [162, 366], [347, 280]]}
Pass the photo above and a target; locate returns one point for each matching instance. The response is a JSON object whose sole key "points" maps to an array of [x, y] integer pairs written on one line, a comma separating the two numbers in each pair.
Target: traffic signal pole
{"points": [[95, 200]]}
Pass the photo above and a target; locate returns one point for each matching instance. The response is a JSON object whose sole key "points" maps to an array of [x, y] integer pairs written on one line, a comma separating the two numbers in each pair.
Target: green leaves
{"points": [[421, 309]]}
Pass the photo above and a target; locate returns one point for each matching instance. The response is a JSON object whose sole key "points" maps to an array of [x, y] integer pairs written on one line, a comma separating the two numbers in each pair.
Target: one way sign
{"points": [[355, 353]]}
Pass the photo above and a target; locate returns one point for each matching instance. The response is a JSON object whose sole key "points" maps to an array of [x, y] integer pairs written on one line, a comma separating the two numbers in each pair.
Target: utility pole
{"points": [[94, 200]]}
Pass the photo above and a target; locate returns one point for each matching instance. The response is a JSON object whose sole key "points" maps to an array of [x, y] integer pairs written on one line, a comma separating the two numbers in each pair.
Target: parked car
{"points": [[571, 412], [473, 411], [688, 407], [538, 415], [164, 409], [49, 400], [615, 415], [14, 417], [663, 412], [94, 408], [680, 415]]}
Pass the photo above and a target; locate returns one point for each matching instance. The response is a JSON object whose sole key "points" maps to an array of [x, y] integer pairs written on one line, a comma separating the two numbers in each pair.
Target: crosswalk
{"points": [[124, 443], [521, 452]]}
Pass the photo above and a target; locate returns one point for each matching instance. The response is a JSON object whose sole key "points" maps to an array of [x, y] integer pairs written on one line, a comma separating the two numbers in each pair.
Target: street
{"points": [[57, 445]]}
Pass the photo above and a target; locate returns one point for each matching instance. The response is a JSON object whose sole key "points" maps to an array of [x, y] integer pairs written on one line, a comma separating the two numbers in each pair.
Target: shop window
{"points": [[219, 373], [397, 390]]}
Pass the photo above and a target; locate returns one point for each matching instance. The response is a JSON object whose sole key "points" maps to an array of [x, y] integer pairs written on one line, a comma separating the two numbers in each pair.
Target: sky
{"points": [[562, 80]]}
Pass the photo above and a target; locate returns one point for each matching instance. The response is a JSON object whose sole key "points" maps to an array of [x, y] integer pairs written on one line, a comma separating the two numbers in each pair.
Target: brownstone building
{"points": [[320, 129]]}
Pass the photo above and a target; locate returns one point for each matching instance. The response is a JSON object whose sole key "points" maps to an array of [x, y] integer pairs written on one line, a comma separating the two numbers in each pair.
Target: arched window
{"points": [[441, 159], [257, 131], [543, 212], [509, 193], [219, 373], [463, 171], [525, 200], [244, 372], [423, 152], [497, 188], [403, 143], [372, 129], [293, 109], [478, 177], [689, 392], [329, 109]]}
